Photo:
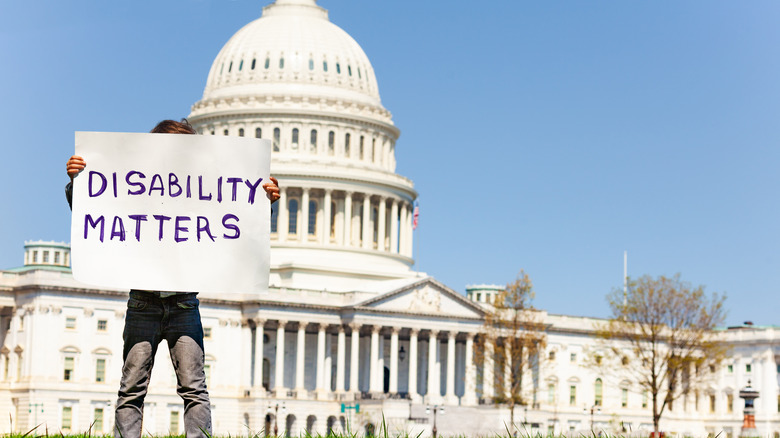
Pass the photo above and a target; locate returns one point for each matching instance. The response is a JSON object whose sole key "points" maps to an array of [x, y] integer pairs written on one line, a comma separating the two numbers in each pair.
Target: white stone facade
{"points": [[346, 320]]}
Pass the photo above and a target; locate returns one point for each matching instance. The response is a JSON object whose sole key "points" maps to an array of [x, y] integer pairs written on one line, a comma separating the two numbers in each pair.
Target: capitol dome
{"points": [[344, 221]]}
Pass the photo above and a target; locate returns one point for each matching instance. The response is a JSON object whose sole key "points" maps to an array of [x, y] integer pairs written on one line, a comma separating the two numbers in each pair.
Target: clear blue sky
{"points": [[544, 135]]}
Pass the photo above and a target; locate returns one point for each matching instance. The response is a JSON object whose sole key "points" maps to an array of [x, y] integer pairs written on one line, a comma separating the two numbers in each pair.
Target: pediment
{"points": [[426, 296]]}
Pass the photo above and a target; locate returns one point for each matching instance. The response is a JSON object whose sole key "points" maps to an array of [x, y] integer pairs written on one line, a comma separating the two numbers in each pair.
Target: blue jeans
{"points": [[149, 320]]}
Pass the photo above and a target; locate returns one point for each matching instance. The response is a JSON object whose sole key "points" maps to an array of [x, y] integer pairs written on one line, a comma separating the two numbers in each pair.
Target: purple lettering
{"points": [[157, 178], [219, 189], [234, 181], [173, 181], [103, 184], [115, 185], [138, 218], [118, 229], [162, 220], [204, 227], [140, 185], [94, 223], [178, 228], [233, 227], [252, 189], [189, 192], [200, 190]]}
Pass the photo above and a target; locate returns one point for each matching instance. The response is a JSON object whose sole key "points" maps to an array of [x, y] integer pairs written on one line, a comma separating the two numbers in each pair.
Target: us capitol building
{"points": [[348, 334]]}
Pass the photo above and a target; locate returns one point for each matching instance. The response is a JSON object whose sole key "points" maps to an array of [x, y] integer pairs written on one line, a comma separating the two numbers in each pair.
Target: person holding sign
{"points": [[154, 316]]}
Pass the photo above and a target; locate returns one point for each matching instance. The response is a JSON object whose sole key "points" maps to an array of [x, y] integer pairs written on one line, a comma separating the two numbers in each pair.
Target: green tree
{"points": [[661, 334], [510, 344]]}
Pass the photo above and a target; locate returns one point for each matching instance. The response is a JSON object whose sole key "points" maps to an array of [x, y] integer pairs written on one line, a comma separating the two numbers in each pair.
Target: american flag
{"points": [[416, 216]]}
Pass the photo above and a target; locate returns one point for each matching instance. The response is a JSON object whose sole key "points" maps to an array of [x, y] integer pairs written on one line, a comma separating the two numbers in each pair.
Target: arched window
{"points": [[346, 144], [331, 141], [338, 68], [240, 132], [267, 62], [277, 138], [312, 217], [258, 133], [292, 207], [313, 140], [325, 66], [349, 69], [375, 224], [241, 65], [230, 67], [361, 146], [295, 138], [254, 60], [281, 62], [359, 76], [598, 389], [373, 150], [311, 64], [225, 132]]}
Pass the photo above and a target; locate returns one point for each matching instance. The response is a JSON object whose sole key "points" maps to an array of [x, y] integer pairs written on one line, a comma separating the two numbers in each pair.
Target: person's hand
{"points": [[75, 165], [272, 190]]}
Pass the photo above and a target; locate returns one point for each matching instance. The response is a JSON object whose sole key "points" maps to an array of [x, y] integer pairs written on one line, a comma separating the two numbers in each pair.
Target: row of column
{"points": [[400, 233], [376, 362]]}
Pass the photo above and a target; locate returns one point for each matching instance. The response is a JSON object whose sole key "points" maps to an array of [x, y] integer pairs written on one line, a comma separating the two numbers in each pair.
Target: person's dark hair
{"points": [[173, 127]]}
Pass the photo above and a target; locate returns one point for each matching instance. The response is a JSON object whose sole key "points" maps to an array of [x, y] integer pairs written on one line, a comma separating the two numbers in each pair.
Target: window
{"points": [[311, 64], [712, 402], [241, 65], [338, 68], [206, 332], [293, 209], [332, 219], [70, 322], [56, 258], [258, 133], [274, 219], [35, 256], [67, 418], [46, 257], [598, 389], [572, 395], [102, 325], [281, 62], [19, 366], [277, 138], [346, 144], [748, 368], [173, 426], [624, 397], [67, 374], [230, 67], [295, 138], [331, 141], [361, 147], [312, 217], [313, 140], [730, 368], [349, 70], [225, 132], [267, 63], [551, 393], [97, 423], [325, 66], [624, 360], [240, 132], [100, 370], [253, 64], [551, 355], [598, 359], [573, 357], [729, 403]]}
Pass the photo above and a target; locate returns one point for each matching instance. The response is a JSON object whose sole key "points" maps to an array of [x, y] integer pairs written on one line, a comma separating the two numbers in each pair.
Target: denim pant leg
{"points": [[184, 333], [142, 335]]}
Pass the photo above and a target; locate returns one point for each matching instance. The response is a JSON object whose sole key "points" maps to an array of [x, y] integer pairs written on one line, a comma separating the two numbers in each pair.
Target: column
{"points": [[488, 379], [354, 359], [340, 356], [326, 212], [413, 364], [374, 358], [279, 367], [402, 230], [367, 228], [282, 220], [394, 227], [434, 390], [327, 370], [258, 365], [394, 360], [450, 391], [380, 241], [299, 356], [303, 222], [470, 377], [347, 218], [320, 384]]}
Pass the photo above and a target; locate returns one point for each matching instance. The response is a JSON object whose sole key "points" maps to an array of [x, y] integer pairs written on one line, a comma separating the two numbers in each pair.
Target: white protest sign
{"points": [[172, 212]]}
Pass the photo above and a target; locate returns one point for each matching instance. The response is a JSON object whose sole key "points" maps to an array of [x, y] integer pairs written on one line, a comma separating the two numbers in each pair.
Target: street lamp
{"points": [[435, 408], [593, 410], [276, 416]]}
